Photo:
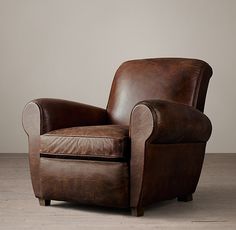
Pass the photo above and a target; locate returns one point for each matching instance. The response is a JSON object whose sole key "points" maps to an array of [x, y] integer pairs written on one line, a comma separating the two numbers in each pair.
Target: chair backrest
{"points": [[178, 80]]}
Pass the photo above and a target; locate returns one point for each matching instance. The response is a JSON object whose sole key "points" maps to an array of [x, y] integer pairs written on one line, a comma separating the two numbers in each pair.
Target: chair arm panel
{"points": [[176, 123], [164, 123], [57, 114], [43, 115]]}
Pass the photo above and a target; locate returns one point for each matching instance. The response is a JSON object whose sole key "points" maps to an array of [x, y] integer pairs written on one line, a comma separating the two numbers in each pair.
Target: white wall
{"points": [[70, 49]]}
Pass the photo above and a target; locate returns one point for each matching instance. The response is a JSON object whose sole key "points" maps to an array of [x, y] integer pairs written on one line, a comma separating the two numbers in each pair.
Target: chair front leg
{"points": [[43, 202]]}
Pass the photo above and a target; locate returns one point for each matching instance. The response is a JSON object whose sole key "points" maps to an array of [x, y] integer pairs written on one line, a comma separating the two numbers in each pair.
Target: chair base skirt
{"points": [[99, 183]]}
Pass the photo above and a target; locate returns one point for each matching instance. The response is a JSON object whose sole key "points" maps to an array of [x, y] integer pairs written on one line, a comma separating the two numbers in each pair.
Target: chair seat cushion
{"points": [[88, 142]]}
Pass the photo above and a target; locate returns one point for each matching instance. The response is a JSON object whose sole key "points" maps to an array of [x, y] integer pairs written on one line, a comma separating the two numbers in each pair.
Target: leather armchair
{"points": [[148, 145]]}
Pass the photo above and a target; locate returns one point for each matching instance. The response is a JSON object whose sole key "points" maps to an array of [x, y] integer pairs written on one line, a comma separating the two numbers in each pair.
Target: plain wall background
{"points": [[70, 49]]}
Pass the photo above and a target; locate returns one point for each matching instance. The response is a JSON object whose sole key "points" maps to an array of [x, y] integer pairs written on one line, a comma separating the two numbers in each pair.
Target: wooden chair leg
{"points": [[43, 202], [185, 198], [138, 211]]}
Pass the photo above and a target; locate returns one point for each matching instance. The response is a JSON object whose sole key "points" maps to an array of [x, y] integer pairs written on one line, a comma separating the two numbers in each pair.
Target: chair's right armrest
{"points": [[170, 123], [157, 123], [43, 115]]}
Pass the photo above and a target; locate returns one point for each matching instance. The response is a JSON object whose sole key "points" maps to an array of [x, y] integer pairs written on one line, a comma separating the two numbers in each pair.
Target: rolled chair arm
{"points": [[49, 114], [43, 115], [172, 122], [156, 125]]}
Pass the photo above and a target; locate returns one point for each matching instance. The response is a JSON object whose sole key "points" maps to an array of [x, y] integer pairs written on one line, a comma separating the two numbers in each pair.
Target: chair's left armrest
{"points": [[170, 122], [44, 115]]}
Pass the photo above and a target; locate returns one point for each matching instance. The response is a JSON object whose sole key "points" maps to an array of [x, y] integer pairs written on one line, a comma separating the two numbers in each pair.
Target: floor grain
{"points": [[213, 207]]}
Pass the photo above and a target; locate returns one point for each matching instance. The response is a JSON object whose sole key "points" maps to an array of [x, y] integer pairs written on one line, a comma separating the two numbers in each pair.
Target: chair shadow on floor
{"points": [[211, 201], [207, 199]]}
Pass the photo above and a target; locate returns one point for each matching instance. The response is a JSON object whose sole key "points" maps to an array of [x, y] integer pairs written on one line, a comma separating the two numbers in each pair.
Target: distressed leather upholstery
{"points": [[171, 79], [104, 141], [174, 122], [104, 183], [147, 145]]}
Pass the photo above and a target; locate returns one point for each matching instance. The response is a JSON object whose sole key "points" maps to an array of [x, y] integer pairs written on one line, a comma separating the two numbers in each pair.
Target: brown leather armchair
{"points": [[148, 145]]}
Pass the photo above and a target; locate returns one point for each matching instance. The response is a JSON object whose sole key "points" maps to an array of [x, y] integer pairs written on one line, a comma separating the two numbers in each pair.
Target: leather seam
{"points": [[156, 119], [198, 83], [154, 115], [41, 117], [150, 108]]}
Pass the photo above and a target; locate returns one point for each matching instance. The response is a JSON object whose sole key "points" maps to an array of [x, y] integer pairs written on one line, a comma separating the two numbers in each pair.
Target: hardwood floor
{"points": [[213, 205]]}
